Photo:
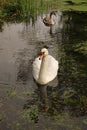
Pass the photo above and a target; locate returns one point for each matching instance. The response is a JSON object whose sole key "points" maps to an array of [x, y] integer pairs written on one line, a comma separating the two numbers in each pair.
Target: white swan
{"points": [[45, 67]]}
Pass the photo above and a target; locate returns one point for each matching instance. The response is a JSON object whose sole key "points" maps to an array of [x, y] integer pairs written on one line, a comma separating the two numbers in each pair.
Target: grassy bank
{"points": [[77, 5], [24, 9]]}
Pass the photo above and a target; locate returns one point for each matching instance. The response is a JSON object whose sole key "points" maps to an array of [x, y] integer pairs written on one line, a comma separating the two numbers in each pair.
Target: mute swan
{"points": [[45, 67], [48, 20]]}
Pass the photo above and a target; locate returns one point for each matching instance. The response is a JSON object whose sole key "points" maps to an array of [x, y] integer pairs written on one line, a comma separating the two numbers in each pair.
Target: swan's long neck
{"points": [[43, 69]]}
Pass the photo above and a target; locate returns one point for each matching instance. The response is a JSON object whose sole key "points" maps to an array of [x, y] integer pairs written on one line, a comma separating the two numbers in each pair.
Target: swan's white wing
{"points": [[52, 68], [36, 68]]}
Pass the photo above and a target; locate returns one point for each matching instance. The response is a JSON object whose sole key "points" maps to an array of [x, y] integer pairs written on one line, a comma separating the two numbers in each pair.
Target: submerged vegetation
{"points": [[31, 113]]}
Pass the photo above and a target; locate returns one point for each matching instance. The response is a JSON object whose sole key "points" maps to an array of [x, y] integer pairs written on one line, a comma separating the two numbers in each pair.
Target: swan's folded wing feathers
{"points": [[52, 67], [36, 68]]}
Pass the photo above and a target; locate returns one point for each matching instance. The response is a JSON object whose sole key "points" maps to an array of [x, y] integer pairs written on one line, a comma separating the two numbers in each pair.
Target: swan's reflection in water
{"points": [[40, 100], [44, 94], [44, 106]]}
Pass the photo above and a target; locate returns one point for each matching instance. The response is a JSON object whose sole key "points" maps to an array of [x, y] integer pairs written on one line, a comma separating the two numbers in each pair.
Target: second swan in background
{"points": [[48, 20]]}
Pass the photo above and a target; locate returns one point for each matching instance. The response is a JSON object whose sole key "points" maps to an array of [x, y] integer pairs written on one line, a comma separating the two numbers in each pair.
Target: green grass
{"points": [[24, 9], [77, 5]]}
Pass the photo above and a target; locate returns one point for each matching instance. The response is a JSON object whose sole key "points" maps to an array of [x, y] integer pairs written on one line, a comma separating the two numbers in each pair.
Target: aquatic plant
{"points": [[31, 113], [11, 93]]}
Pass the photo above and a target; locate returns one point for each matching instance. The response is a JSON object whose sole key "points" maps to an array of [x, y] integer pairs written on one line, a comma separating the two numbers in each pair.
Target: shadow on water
{"points": [[23, 103], [74, 64]]}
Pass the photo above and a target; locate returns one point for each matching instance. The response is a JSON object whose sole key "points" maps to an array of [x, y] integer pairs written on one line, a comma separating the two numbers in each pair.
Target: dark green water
{"points": [[23, 104]]}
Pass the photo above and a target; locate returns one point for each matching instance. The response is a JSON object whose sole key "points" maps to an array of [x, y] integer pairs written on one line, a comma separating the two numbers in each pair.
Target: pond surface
{"points": [[23, 104]]}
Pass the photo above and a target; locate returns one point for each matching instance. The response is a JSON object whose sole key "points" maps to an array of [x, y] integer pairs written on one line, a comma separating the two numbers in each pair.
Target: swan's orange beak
{"points": [[41, 56]]}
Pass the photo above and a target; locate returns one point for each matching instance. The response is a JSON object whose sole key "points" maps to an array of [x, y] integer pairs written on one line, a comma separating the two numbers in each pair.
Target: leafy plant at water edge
{"points": [[31, 113], [11, 10]]}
